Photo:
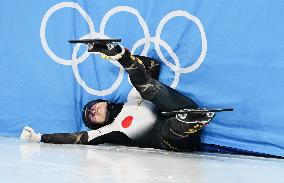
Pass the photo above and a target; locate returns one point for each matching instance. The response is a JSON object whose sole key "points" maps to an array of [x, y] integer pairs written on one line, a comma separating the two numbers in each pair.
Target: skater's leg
{"points": [[164, 97]]}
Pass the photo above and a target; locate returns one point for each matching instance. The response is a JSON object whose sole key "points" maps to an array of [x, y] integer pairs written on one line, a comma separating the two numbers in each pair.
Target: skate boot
{"points": [[111, 50], [193, 122], [202, 118]]}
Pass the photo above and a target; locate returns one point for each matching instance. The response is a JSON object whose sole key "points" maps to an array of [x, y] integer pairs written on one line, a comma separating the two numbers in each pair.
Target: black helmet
{"points": [[112, 111]]}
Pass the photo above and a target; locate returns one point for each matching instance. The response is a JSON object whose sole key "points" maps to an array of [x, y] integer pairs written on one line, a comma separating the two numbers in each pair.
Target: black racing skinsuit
{"points": [[168, 132]]}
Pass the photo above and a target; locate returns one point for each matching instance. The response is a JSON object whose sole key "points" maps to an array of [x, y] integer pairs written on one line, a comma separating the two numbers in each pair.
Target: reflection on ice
{"points": [[28, 162]]}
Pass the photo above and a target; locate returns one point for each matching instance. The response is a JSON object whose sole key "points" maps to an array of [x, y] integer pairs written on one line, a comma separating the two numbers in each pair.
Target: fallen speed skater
{"points": [[154, 115]]}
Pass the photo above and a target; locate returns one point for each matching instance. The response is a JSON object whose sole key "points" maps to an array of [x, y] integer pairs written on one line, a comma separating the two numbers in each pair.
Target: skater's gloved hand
{"points": [[28, 134], [110, 51]]}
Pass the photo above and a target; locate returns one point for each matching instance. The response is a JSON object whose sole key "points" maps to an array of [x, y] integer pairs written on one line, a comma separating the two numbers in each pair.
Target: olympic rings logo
{"points": [[146, 41]]}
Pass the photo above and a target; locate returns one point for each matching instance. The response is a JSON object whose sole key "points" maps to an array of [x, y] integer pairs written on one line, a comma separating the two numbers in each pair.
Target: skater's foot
{"points": [[112, 50]]}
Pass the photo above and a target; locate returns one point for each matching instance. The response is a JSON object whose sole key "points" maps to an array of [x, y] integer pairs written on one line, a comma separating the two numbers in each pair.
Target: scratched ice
{"points": [[48, 163]]}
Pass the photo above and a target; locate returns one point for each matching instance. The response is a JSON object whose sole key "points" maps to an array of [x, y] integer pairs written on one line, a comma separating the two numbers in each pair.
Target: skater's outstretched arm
{"points": [[115, 137]]}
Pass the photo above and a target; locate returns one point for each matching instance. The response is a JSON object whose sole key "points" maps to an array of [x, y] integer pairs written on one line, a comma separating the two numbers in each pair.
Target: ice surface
{"points": [[50, 163]]}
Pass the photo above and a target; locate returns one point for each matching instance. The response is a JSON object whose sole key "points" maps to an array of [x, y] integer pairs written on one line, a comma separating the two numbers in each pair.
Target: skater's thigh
{"points": [[168, 99], [180, 136]]}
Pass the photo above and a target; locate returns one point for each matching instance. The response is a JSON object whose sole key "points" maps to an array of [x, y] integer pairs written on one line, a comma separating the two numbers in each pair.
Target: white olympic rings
{"points": [[146, 41]]}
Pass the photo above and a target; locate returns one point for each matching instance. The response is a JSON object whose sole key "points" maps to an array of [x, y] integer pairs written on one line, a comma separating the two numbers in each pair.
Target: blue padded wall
{"points": [[223, 54]]}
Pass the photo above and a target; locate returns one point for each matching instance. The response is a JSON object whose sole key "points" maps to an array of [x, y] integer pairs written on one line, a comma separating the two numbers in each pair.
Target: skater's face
{"points": [[97, 113]]}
